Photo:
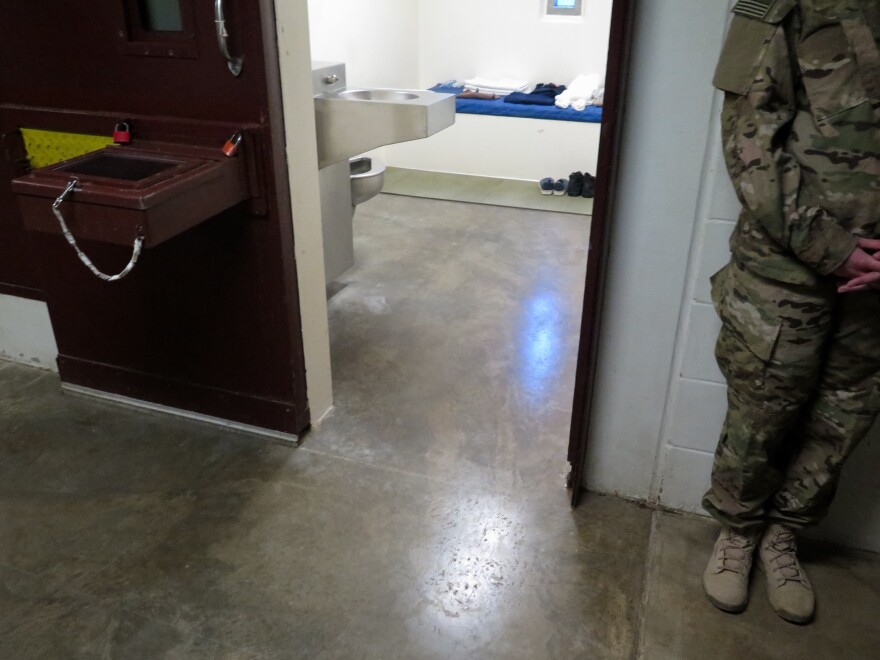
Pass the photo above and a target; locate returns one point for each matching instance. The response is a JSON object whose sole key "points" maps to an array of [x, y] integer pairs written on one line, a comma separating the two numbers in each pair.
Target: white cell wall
{"points": [[660, 396], [510, 38], [378, 40], [400, 43]]}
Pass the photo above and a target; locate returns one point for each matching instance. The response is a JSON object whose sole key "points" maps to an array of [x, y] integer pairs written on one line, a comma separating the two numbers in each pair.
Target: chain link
{"points": [[72, 186]]}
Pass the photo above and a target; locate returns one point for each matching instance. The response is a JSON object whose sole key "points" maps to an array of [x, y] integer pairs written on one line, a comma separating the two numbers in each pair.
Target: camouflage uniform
{"points": [[801, 131]]}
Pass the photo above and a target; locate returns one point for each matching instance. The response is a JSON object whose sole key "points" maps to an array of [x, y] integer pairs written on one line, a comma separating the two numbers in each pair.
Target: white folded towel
{"points": [[579, 92]]}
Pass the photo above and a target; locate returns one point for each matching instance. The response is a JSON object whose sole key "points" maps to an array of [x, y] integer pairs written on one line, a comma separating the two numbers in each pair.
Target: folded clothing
{"points": [[543, 94], [500, 86], [480, 96], [580, 92], [488, 90]]}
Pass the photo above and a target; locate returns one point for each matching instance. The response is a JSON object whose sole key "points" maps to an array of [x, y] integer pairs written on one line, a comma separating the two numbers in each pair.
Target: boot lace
{"points": [[784, 558], [735, 551]]}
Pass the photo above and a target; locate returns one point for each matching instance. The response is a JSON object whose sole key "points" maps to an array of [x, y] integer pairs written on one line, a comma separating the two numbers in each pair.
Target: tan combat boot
{"points": [[726, 578], [788, 588]]}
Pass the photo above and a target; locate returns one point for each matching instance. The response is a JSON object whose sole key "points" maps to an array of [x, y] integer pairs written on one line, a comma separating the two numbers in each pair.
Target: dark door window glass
{"points": [[161, 15]]}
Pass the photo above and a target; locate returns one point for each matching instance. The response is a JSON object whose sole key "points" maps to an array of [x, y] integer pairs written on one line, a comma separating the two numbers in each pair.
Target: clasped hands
{"points": [[862, 270]]}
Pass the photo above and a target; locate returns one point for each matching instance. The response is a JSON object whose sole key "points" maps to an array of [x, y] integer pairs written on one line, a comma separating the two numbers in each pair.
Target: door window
{"points": [[160, 15], [159, 28]]}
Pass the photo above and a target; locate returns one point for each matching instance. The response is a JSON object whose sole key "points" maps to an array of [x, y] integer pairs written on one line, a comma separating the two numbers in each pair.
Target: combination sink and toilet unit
{"points": [[350, 122]]}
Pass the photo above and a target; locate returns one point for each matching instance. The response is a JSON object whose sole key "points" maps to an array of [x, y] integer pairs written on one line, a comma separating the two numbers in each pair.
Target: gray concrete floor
{"points": [[425, 518]]}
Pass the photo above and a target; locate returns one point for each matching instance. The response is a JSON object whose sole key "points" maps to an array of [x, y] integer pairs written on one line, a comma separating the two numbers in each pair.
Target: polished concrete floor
{"points": [[426, 517]]}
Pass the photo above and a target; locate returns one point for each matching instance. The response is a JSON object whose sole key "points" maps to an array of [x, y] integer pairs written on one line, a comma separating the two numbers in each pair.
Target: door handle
{"points": [[233, 63]]}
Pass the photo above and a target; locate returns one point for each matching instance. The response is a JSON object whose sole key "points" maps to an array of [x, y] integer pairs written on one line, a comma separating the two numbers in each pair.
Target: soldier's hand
{"points": [[862, 269], [861, 283], [871, 245]]}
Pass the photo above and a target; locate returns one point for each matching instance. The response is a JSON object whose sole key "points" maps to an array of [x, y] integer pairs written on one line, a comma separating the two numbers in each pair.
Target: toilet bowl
{"points": [[367, 178]]}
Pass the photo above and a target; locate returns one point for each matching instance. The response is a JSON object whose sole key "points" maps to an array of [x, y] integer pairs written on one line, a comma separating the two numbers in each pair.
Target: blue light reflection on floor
{"points": [[540, 346]]}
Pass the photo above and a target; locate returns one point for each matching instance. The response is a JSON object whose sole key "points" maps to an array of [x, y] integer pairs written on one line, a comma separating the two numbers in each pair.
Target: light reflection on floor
{"points": [[540, 346]]}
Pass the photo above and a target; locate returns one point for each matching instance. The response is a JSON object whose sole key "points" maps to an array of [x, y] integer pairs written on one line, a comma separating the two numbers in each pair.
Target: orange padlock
{"points": [[231, 146]]}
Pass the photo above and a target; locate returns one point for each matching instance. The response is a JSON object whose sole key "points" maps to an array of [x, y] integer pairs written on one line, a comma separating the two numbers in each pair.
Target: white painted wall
{"points": [[401, 43], [378, 40], [660, 396], [510, 38], [26, 333]]}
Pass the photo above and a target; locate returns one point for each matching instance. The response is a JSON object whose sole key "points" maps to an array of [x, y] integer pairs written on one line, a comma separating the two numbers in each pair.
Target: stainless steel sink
{"points": [[352, 121], [377, 95]]}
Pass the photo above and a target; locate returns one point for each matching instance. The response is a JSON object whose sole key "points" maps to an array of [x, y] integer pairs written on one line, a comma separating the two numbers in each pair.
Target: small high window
{"points": [[564, 7]]}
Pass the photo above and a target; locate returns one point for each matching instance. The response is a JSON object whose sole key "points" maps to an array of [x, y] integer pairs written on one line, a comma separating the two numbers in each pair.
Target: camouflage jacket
{"points": [[801, 132]]}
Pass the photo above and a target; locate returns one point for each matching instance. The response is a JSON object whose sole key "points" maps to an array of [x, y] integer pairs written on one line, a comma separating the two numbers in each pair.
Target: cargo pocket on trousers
{"points": [[746, 343]]}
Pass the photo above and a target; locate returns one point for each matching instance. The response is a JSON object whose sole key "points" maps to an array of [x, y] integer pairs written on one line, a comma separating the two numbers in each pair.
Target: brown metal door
{"points": [[209, 320], [103, 55]]}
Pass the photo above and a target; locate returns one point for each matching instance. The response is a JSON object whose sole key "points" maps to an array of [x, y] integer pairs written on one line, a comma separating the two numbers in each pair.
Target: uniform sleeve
{"points": [[768, 179]]}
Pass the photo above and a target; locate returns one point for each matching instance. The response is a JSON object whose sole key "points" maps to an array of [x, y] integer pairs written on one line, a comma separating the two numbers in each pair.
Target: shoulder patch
{"points": [[768, 11]]}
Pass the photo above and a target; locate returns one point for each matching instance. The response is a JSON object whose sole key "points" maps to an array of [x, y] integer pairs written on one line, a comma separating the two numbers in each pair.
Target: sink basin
{"points": [[353, 121], [378, 95]]}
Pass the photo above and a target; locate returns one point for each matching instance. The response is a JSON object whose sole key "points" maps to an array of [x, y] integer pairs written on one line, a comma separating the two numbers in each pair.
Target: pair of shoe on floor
{"points": [[577, 184], [726, 579]]}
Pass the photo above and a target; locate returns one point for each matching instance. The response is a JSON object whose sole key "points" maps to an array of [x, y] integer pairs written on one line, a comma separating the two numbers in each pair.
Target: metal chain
{"points": [[136, 251]]}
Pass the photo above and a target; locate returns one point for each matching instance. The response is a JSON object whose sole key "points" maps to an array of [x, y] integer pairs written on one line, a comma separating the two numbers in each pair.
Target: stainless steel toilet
{"points": [[367, 178]]}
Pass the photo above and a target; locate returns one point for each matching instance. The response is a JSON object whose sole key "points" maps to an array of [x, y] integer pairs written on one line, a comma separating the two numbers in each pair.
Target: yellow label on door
{"points": [[50, 147]]}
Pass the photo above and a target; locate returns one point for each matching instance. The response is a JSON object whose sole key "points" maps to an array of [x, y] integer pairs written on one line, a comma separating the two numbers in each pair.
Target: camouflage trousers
{"points": [[802, 365]]}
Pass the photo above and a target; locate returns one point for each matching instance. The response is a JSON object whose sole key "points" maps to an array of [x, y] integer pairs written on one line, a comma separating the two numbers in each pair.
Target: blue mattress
{"points": [[499, 108]]}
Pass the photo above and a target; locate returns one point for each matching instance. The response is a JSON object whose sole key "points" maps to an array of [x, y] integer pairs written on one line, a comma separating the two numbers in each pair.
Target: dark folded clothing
{"points": [[529, 99], [481, 96], [543, 94], [548, 89]]}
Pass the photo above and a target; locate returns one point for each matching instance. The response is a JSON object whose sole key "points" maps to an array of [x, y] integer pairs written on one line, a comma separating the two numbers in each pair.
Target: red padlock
{"points": [[122, 133]]}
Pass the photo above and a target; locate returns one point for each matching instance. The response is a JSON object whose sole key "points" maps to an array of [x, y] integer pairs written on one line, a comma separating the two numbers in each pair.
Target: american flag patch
{"points": [[753, 8]]}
